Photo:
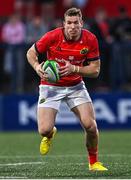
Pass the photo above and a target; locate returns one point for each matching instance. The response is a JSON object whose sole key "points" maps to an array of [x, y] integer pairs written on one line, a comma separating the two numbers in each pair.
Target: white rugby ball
{"points": [[52, 69]]}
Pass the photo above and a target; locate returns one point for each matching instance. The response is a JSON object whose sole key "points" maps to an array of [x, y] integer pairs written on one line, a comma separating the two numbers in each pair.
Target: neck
{"points": [[71, 38]]}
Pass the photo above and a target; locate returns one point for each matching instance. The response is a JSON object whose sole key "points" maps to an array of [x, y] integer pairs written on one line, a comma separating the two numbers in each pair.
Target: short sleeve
{"points": [[43, 44], [93, 53]]}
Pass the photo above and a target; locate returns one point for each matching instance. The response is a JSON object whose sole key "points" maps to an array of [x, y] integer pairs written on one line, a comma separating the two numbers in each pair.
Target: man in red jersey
{"points": [[70, 46]]}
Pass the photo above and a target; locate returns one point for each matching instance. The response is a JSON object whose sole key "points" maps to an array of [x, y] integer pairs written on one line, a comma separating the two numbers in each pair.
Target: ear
{"points": [[63, 23], [82, 23]]}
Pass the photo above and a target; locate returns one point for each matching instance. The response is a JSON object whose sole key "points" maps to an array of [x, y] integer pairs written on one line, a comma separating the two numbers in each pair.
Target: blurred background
{"points": [[23, 22]]}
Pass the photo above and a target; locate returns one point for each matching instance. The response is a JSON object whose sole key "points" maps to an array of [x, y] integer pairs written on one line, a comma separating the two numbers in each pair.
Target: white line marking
{"points": [[20, 164], [32, 163], [13, 177]]}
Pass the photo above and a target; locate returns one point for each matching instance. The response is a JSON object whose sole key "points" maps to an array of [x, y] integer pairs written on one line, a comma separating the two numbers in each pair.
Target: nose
{"points": [[72, 25]]}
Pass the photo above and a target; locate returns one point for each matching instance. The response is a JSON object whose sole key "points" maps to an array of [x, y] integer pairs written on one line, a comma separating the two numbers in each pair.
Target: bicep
{"points": [[31, 53], [96, 62], [33, 50]]}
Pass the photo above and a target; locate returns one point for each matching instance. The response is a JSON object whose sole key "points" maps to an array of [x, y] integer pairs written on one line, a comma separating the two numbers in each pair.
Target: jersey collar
{"points": [[65, 39]]}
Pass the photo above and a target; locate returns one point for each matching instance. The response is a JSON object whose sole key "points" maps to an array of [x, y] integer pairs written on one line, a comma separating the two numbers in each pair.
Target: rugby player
{"points": [[70, 46]]}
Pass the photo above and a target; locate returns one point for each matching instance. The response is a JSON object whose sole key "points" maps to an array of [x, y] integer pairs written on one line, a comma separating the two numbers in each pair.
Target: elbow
{"points": [[28, 55]]}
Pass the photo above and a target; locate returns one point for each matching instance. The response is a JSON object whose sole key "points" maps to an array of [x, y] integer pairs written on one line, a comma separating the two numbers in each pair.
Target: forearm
{"points": [[89, 71], [92, 70], [32, 58]]}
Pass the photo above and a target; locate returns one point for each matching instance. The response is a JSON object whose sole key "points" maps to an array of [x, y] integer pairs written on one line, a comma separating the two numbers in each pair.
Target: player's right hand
{"points": [[43, 75]]}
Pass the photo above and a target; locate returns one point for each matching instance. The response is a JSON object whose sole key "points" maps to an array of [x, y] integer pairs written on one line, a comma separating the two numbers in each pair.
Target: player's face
{"points": [[72, 26]]}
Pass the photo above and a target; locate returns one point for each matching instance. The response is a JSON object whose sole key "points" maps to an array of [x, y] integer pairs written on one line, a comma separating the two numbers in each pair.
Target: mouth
{"points": [[73, 32]]}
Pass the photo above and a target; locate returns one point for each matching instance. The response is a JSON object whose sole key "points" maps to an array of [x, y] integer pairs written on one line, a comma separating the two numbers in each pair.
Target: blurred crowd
{"points": [[31, 20]]}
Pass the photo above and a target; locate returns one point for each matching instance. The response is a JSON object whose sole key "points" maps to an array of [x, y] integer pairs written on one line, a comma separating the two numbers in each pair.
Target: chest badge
{"points": [[84, 51]]}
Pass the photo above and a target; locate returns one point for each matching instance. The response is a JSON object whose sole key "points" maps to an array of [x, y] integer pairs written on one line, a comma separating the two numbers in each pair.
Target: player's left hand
{"points": [[66, 70]]}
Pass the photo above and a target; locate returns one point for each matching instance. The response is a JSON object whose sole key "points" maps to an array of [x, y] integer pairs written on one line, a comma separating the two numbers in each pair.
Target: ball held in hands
{"points": [[51, 67]]}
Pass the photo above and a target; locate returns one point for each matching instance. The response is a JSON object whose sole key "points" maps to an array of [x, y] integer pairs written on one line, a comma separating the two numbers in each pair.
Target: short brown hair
{"points": [[73, 12]]}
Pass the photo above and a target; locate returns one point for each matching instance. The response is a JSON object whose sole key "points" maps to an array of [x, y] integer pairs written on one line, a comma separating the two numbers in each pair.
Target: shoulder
{"points": [[87, 35], [51, 36], [55, 33]]}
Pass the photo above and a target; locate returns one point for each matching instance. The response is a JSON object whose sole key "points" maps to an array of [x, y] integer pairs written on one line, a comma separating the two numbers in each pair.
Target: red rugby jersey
{"points": [[59, 49]]}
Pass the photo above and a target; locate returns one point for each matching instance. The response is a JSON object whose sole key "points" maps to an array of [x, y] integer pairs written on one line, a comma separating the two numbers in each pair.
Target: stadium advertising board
{"points": [[112, 111]]}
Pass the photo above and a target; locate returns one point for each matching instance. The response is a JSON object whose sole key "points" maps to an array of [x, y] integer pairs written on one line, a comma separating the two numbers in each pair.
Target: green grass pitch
{"points": [[20, 158]]}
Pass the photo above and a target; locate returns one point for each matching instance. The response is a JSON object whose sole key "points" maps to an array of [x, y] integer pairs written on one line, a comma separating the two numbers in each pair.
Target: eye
{"points": [[76, 22], [69, 22]]}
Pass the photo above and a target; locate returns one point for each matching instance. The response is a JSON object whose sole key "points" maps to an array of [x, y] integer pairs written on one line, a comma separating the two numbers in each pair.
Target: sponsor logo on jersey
{"points": [[63, 60], [71, 58], [84, 51]]}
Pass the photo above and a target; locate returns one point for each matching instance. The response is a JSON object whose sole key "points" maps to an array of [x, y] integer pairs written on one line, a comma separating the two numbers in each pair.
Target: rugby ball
{"points": [[52, 69]]}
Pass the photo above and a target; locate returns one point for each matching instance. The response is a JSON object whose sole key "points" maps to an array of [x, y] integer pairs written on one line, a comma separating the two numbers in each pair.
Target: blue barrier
{"points": [[18, 112]]}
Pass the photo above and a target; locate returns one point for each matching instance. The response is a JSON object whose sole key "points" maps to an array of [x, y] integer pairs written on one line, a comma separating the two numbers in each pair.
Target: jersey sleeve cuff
{"points": [[36, 49], [93, 59]]}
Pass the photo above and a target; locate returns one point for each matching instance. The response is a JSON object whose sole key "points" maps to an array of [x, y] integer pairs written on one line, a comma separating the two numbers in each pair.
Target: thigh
{"points": [[85, 112], [48, 105], [77, 95], [50, 97], [46, 118]]}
